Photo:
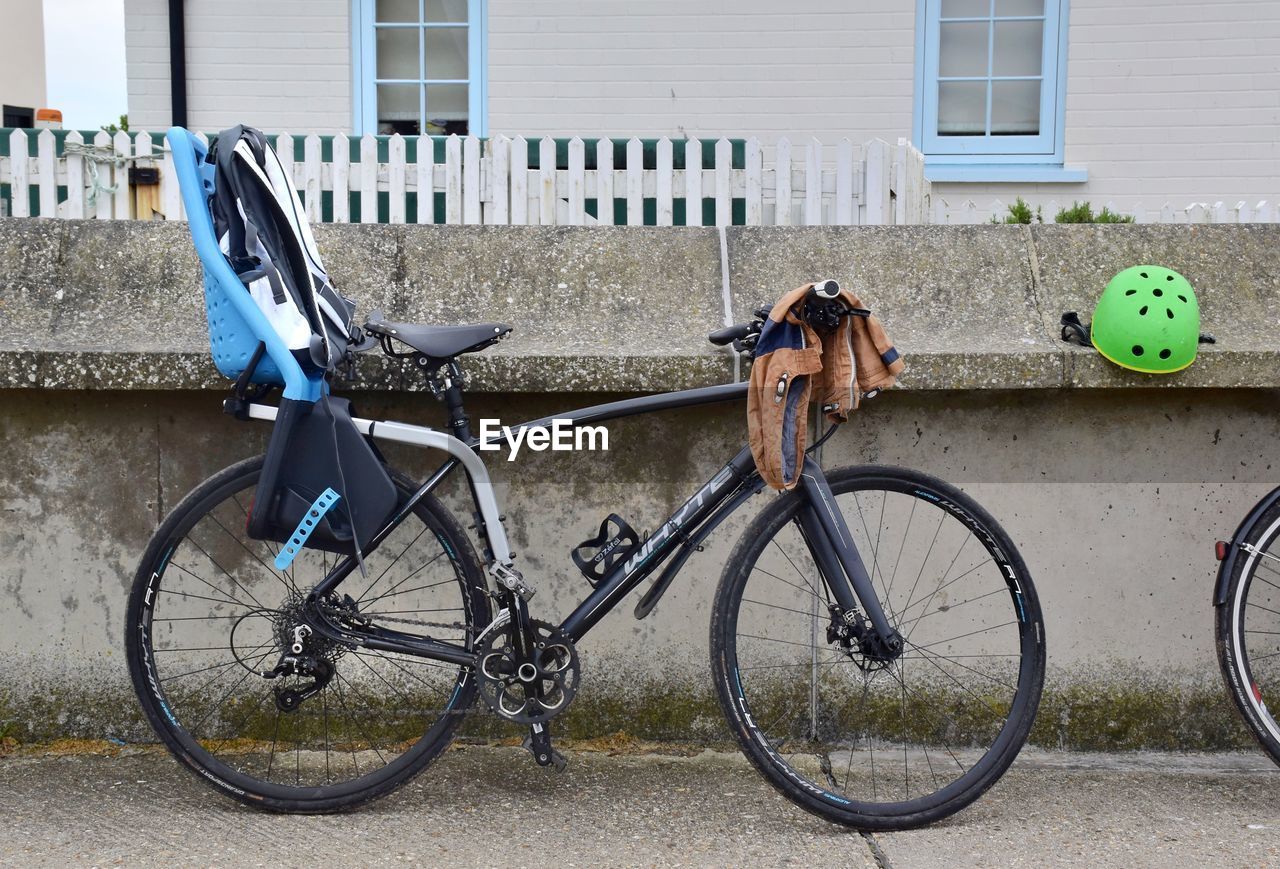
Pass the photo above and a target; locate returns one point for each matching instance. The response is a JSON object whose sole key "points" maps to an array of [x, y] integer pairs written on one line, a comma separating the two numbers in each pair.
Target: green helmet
{"points": [[1148, 320]]}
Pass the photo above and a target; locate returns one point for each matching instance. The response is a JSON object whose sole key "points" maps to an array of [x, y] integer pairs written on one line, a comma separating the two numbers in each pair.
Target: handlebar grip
{"points": [[826, 289], [728, 334]]}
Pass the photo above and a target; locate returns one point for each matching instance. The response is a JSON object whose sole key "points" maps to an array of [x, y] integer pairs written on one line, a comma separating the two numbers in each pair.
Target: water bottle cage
{"points": [[596, 557]]}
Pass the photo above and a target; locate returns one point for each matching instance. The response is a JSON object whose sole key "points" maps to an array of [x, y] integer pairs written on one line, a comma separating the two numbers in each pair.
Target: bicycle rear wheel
{"points": [[210, 615], [1248, 630], [875, 746]]}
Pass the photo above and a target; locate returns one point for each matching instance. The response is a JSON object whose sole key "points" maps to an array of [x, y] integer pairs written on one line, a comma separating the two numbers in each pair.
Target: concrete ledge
{"points": [[117, 305]]}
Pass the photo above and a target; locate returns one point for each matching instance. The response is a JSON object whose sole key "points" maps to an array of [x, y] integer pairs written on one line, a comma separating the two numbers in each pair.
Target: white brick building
{"points": [[1143, 102]]}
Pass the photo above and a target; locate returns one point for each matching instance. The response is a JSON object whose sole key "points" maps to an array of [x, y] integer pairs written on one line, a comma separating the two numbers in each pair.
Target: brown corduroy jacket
{"points": [[852, 361]]}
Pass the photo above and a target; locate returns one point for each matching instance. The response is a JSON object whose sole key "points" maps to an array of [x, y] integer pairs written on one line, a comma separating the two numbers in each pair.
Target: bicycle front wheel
{"points": [[1248, 630], [872, 745], [210, 617]]}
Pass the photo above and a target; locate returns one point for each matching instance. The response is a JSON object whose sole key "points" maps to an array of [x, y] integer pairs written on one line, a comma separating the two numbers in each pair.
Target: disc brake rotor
{"points": [[533, 691]]}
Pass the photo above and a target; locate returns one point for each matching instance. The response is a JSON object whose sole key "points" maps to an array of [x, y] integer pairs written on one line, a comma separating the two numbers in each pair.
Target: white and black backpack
{"points": [[263, 232]]}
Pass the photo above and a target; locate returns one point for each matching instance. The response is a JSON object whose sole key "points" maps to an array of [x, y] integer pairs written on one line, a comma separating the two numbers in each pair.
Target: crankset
{"points": [[529, 691]]}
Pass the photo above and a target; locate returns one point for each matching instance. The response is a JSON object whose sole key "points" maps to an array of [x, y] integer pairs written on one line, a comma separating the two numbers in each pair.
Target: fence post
{"points": [[311, 181], [878, 166], [1262, 212], [284, 153], [693, 182], [604, 182], [75, 181], [47, 172], [635, 182], [813, 183], [453, 180], [341, 179], [752, 182], [19, 169], [845, 206], [519, 181], [395, 179], [782, 183], [577, 182], [724, 179], [665, 169], [547, 181], [940, 211], [123, 147], [368, 178], [105, 207], [499, 173], [471, 193]]}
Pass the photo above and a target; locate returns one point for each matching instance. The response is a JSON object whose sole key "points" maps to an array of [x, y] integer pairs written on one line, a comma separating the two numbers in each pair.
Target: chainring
{"points": [[532, 691]]}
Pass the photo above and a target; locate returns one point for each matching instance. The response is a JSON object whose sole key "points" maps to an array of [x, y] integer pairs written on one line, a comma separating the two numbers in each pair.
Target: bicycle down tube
{"points": [[823, 527]]}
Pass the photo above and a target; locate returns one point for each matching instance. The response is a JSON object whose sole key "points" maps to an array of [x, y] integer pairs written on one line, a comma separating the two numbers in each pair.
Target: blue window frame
{"points": [[419, 66], [991, 89]]}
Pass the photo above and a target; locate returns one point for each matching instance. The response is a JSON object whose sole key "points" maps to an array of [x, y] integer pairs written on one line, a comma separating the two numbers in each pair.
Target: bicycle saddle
{"points": [[439, 342]]}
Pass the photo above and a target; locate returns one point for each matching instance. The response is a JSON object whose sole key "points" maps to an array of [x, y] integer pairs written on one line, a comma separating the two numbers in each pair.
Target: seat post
{"points": [[459, 422]]}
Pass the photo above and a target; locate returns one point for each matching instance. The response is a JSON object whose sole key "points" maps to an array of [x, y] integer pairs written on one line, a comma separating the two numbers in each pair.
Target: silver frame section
{"points": [[433, 439]]}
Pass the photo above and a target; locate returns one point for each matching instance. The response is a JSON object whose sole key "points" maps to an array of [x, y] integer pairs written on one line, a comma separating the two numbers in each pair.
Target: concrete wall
{"points": [[1114, 485], [22, 79]]}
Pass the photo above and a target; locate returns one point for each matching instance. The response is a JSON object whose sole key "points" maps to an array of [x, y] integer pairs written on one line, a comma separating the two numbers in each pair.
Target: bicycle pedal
{"points": [[538, 743]]}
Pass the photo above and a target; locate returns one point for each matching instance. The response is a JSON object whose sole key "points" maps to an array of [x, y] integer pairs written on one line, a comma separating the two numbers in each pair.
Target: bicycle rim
{"points": [[212, 615], [852, 738]]}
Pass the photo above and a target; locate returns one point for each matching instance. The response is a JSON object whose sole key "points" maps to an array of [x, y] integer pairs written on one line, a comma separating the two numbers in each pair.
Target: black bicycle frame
{"points": [[821, 524]]}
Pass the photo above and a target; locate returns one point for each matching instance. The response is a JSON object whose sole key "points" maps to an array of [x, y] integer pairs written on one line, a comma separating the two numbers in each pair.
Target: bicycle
{"points": [[1246, 602], [315, 677]]}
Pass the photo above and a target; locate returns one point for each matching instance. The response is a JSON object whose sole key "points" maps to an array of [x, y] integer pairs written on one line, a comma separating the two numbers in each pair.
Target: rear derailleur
{"points": [[296, 662]]}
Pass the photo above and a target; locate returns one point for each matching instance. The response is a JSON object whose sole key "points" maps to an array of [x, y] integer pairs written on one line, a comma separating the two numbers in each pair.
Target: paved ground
{"points": [[491, 806]]}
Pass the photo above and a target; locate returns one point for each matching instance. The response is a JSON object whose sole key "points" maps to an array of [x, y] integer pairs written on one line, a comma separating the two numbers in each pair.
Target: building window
{"points": [[419, 66], [990, 82]]}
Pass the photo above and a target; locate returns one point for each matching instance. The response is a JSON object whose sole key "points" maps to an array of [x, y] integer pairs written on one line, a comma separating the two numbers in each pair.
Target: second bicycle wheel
{"points": [[862, 743], [1248, 629], [210, 618]]}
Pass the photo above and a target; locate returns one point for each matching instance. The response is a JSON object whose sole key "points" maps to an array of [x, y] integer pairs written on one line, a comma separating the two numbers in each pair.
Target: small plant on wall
{"points": [[1082, 212], [1020, 212]]}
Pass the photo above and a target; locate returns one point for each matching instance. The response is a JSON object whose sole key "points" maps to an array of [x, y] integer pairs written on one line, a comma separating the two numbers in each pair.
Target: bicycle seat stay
{"points": [[439, 342]]}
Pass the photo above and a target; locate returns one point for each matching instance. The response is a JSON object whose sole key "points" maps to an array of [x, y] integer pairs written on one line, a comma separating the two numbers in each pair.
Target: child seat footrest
{"points": [[310, 520]]}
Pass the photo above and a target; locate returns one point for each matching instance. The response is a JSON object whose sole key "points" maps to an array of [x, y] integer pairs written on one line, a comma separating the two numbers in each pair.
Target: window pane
{"points": [[446, 52], [398, 52], [963, 50], [398, 109], [1019, 7], [966, 8], [1015, 108], [450, 11], [447, 108], [397, 10], [962, 108], [1018, 46]]}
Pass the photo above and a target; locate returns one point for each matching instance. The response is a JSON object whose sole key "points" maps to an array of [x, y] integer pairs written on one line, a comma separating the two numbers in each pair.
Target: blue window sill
{"points": [[1026, 173]]}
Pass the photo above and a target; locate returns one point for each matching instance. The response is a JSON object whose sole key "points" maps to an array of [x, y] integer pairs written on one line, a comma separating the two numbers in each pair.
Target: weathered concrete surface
{"points": [[490, 806], [1114, 497], [1233, 271], [117, 304]]}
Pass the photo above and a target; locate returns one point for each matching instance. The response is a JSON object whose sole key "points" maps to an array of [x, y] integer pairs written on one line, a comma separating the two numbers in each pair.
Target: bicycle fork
{"points": [[846, 577]]}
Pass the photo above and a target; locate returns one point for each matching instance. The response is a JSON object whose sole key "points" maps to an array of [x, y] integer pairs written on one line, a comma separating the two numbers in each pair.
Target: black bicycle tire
{"points": [[766, 524], [239, 786], [1233, 655]]}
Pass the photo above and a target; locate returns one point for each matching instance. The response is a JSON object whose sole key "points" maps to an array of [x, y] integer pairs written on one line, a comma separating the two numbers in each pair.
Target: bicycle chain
{"points": [[337, 612]]}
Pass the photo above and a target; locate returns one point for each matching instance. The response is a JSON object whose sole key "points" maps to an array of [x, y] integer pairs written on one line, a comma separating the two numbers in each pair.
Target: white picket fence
{"points": [[490, 181], [1261, 211]]}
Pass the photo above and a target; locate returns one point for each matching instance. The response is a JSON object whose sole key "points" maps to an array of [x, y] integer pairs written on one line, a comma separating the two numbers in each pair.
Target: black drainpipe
{"points": [[178, 63]]}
